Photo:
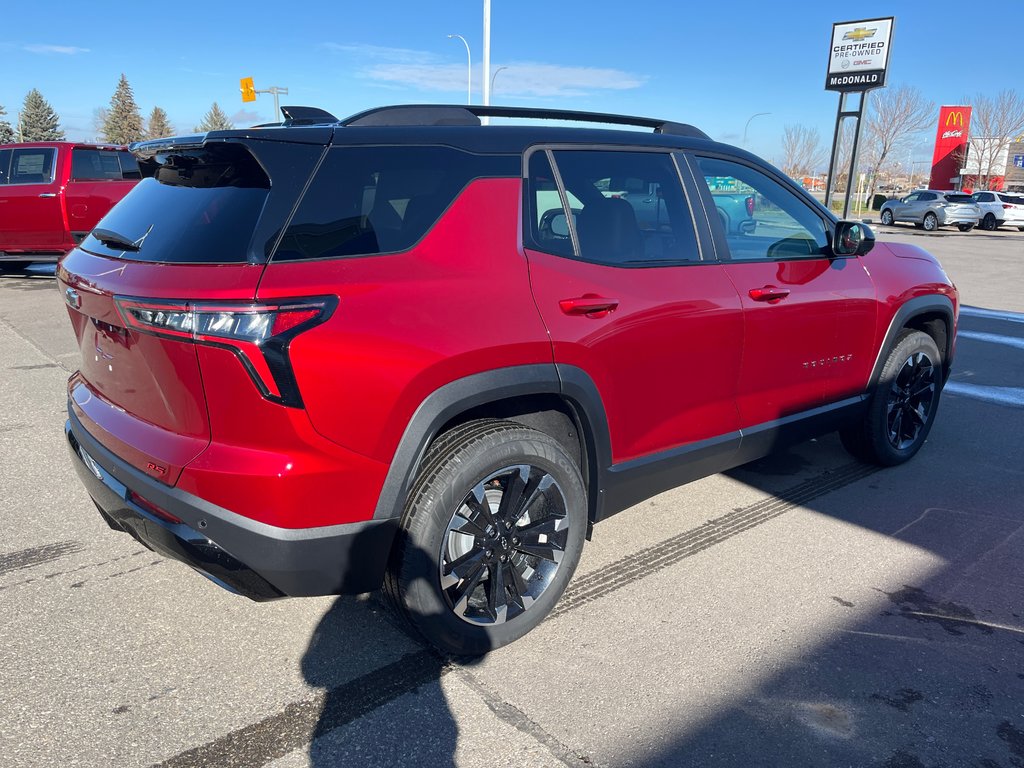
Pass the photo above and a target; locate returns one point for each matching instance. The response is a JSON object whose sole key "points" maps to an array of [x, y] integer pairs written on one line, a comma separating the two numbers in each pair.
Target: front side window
{"points": [[628, 207], [370, 200], [761, 218], [32, 166]]}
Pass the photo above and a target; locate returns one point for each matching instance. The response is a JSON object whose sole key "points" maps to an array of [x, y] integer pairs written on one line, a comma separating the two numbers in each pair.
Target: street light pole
{"points": [[494, 76], [759, 114], [487, 54], [469, 69]]}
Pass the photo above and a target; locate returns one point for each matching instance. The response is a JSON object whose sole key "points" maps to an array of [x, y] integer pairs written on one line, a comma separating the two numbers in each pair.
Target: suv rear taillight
{"points": [[257, 333]]}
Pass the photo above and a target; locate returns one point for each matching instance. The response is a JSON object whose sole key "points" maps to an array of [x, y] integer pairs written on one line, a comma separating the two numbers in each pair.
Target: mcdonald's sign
{"points": [[950, 145]]}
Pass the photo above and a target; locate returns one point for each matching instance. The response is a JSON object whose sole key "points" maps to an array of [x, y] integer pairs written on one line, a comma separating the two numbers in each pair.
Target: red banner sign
{"points": [[950, 145]]}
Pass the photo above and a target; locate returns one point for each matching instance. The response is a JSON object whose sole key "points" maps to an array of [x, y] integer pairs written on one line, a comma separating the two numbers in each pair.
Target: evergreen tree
{"points": [[38, 120], [159, 126], [6, 132], [215, 120], [124, 122]]}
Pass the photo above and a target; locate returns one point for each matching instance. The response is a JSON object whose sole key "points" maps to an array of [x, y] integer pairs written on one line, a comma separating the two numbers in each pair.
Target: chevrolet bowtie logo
{"points": [[860, 33], [955, 118]]}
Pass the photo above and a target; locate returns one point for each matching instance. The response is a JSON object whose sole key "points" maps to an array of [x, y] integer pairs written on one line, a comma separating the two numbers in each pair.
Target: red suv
{"points": [[407, 350], [53, 192]]}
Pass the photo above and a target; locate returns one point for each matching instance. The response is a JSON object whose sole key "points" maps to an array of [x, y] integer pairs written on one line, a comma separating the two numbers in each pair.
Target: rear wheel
{"points": [[989, 222], [490, 537], [887, 217], [902, 405], [930, 223], [965, 227]]}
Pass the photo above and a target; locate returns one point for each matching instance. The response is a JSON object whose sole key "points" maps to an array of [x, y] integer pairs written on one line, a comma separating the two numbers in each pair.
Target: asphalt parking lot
{"points": [[804, 610]]}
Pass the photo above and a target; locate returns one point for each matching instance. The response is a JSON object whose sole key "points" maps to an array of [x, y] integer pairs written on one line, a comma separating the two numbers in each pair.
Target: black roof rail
{"points": [[470, 114]]}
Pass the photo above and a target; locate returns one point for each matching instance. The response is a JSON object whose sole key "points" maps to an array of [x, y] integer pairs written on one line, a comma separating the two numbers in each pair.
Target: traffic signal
{"points": [[248, 89]]}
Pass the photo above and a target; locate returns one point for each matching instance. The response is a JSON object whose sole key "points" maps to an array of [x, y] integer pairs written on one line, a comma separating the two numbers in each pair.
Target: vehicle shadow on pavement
{"points": [[921, 662]]}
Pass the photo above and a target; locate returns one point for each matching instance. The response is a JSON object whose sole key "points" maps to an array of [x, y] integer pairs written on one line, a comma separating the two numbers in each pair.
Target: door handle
{"points": [[589, 305], [769, 293], [48, 194]]}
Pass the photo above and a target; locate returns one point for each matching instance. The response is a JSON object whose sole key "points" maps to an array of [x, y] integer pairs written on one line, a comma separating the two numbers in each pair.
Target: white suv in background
{"points": [[999, 208]]}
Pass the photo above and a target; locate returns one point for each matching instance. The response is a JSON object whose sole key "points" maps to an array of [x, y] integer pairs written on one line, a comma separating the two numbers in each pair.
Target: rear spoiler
{"points": [[145, 150]]}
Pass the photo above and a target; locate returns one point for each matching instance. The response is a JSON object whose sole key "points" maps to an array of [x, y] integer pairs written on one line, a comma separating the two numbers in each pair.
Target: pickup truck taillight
{"points": [[257, 333], [750, 205]]}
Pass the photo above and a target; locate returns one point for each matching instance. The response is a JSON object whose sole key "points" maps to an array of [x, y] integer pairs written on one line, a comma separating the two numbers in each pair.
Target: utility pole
{"points": [[469, 69]]}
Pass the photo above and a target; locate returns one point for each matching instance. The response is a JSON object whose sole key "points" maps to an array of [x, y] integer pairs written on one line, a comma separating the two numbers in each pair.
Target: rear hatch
{"points": [[188, 241], [961, 205]]}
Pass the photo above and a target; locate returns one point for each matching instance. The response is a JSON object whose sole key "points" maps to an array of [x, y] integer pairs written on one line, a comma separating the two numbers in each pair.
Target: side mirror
{"points": [[852, 238], [747, 227], [559, 225]]}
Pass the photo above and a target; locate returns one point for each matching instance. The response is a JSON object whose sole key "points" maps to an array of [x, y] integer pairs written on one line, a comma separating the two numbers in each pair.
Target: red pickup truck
{"points": [[52, 194]]}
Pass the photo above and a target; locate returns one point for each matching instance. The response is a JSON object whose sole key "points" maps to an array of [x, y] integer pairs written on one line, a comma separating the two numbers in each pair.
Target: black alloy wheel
{"points": [[965, 227], [989, 223], [902, 404], [911, 396], [492, 531]]}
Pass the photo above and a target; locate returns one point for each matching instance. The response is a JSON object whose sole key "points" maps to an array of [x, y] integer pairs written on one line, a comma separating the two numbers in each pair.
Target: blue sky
{"points": [[710, 64]]}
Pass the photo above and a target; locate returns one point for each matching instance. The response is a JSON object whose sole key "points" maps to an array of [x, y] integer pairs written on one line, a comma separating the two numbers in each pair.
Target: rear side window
{"points": [[129, 166], [94, 164], [5, 164], [33, 165], [627, 207], [370, 200], [201, 207]]}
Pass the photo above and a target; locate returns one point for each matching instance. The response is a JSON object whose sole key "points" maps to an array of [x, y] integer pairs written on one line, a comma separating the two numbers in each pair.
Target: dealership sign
{"points": [[859, 55]]}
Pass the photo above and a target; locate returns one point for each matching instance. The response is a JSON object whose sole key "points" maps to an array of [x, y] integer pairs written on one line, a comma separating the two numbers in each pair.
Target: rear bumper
{"points": [[259, 561]]}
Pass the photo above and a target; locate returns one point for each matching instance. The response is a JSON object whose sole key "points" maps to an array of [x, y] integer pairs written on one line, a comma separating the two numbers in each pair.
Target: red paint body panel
{"points": [[457, 303], [795, 349], [666, 360]]}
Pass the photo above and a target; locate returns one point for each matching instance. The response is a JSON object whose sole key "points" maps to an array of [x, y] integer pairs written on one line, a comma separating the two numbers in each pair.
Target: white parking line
{"points": [[1012, 396], [993, 338], [1013, 317]]}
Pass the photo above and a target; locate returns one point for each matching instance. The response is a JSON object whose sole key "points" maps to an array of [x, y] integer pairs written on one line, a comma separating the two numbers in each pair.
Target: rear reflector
{"points": [[152, 508]]}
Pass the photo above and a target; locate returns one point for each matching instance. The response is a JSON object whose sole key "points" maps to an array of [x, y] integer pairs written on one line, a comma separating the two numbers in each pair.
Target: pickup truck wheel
{"points": [[930, 223], [902, 406], [965, 227], [490, 537], [989, 222], [887, 217]]}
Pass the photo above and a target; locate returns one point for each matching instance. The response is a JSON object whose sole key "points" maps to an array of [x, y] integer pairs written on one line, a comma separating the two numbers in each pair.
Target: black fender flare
{"points": [[921, 305], [572, 384]]}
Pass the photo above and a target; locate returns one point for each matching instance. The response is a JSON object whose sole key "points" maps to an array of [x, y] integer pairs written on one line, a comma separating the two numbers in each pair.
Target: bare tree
{"points": [[995, 122], [802, 153], [895, 116]]}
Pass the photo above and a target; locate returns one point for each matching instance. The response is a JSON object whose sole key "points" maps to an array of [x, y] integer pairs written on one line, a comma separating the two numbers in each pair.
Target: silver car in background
{"points": [[933, 208], [999, 208]]}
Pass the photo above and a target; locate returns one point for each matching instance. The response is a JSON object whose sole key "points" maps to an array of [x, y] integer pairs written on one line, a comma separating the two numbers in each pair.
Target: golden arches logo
{"points": [[955, 119]]}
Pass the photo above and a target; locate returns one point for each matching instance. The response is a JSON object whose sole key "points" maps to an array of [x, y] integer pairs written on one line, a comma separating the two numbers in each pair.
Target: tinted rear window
{"points": [[369, 200], [201, 207], [5, 164], [959, 198]]}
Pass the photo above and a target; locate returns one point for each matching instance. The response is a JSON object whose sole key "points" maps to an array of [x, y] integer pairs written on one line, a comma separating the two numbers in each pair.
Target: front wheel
{"points": [[901, 408], [931, 223], [490, 537], [989, 222], [887, 217], [965, 227]]}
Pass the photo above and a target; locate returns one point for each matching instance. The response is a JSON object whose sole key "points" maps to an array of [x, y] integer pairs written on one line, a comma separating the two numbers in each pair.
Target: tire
{"points": [[930, 223], [469, 572], [887, 218], [965, 227], [902, 405], [989, 222]]}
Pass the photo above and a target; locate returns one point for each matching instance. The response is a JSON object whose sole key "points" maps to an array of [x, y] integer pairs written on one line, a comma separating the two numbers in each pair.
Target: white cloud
{"points": [[67, 50], [426, 71]]}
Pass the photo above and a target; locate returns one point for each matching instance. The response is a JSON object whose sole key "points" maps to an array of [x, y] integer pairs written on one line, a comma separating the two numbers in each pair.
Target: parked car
{"points": [[52, 193], [326, 357], [999, 209], [933, 208]]}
